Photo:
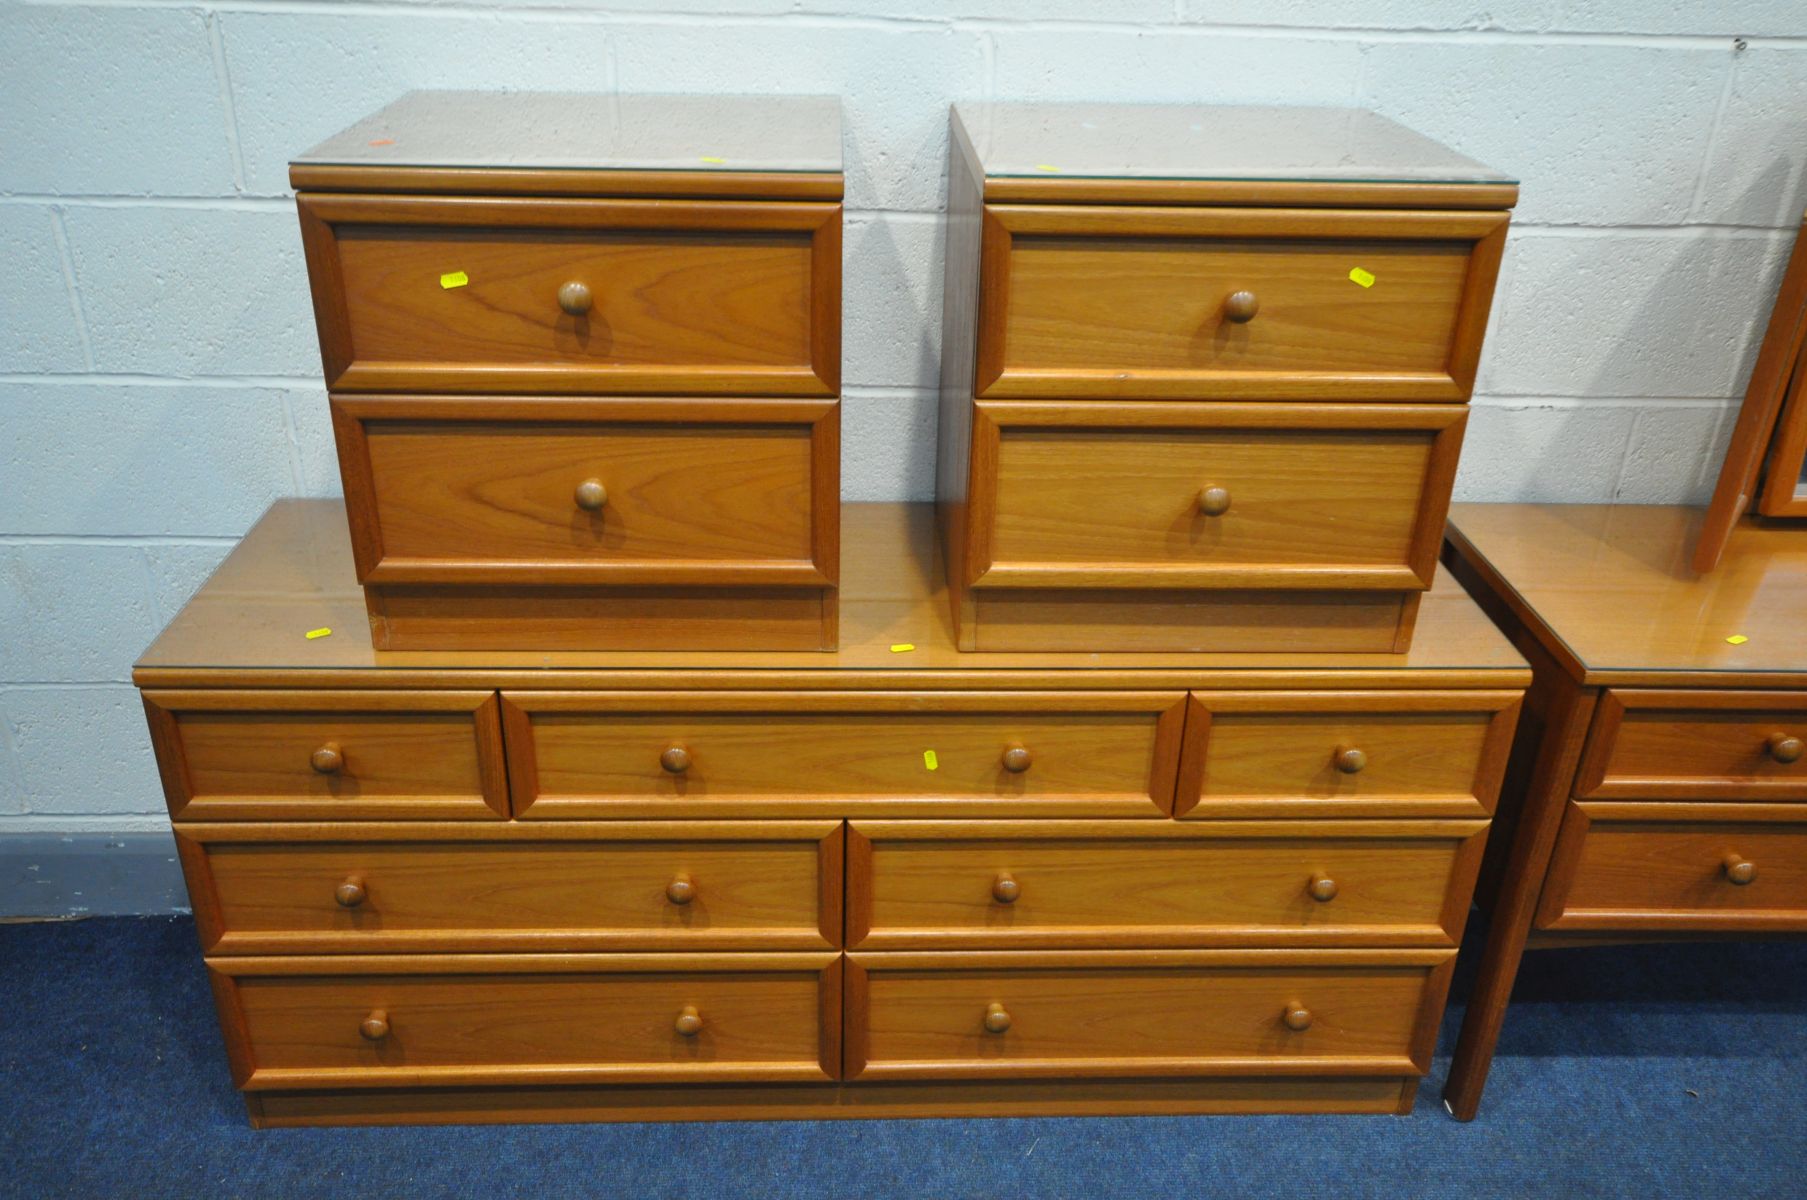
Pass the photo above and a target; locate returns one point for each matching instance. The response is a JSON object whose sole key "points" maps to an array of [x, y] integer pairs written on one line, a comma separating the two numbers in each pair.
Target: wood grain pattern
{"points": [[1108, 495], [1127, 302], [769, 885], [689, 297], [924, 885], [1663, 867], [466, 490], [577, 754], [1428, 753], [1078, 1014], [237, 755], [518, 1019], [1705, 744]]}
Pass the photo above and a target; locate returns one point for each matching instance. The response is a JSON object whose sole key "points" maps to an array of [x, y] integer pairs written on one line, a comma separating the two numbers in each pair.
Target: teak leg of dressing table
{"points": [[1513, 902]]}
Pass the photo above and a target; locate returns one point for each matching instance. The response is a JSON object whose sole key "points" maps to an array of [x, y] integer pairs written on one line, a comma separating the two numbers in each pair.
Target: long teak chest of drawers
{"points": [[1658, 787], [583, 354], [1204, 373], [453, 885]]}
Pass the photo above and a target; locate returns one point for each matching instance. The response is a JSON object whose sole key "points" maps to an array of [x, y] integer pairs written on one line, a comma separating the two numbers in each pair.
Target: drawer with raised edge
{"points": [[628, 885], [496, 1019], [1696, 745], [328, 755]]}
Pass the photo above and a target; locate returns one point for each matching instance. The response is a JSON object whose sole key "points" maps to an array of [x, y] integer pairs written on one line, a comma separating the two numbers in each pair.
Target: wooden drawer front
{"points": [[231, 755], [507, 491], [1363, 754], [466, 294], [921, 884], [585, 754], [263, 889], [1665, 866], [1135, 302], [1697, 745], [1132, 1012], [1132, 495], [493, 1019]]}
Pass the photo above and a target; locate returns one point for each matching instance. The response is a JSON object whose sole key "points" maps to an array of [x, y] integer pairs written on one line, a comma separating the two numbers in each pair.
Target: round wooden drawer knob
{"points": [[1240, 307], [1214, 501], [375, 1027], [1297, 1018], [1005, 889], [1349, 760], [329, 759], [681, 890], [1739, 870], [689, 1022], [591, 495], [351, 893], [996, 1019], [1784, 748], [575, 298], [676, 759], [1017, 759], [1323, 888]]}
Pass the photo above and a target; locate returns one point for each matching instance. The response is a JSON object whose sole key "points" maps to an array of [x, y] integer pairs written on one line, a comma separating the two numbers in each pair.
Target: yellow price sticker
{"points": [[1048, 167], [710, 158], [1361, 277], [930, 761], [452, 279], [903, 647], [1737, 639], [319, 633]]}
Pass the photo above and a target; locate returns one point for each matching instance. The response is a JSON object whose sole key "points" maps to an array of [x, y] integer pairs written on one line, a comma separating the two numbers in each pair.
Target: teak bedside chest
{"points": [[1656, 786], [584, 355], [1204, 373], [456, 886]]}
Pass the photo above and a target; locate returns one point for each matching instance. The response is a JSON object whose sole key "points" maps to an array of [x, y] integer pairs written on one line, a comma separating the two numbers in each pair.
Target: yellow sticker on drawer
{"points": [[902, 647], [1737, 639], [930, 761], [323, 631], [452, 279], [1364, 278]]}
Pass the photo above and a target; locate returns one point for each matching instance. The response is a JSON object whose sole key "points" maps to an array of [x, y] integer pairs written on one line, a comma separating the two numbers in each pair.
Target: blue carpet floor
{"points": [[1630, 1071]]}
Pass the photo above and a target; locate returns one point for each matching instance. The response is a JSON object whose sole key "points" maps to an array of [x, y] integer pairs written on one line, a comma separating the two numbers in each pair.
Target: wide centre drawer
{"points": [[1171, 495], [301, 755], [1701, 745], [1139, 1012], [1621, 865], [449, 1020], [1256, 304], [598, 492], [928, 884], [277, 888], [778, 754], [1328, 754], [555, 294]]}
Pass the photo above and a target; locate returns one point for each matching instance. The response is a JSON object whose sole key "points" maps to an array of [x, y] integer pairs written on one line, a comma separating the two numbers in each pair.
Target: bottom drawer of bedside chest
{"points": [[499, 1019], [1678, 866], [1128, 1013]]}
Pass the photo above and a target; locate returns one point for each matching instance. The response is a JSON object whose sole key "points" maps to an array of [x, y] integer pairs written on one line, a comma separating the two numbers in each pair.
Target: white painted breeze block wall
{"points": [[158, 375]]}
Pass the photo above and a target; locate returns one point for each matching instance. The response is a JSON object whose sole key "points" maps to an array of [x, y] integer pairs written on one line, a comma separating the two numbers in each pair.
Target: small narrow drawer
{"points": [[1366, 754], [1172, 495], [328, 755], [1233, 303], [1626, 865], [1139, 1012], [1696, 745], [801, 754], [492, 1019], [320, 888], [567, 295], [1073, 884], [550, 491]]}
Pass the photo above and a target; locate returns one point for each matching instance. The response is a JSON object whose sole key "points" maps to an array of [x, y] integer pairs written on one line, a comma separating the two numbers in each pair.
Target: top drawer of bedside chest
{"points": [[454, 293], [1328, 304], [1697, 745]]}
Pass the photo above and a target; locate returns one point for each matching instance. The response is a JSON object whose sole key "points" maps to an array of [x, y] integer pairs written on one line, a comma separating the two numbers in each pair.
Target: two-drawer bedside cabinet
{"points": [[1204, 373], [584, 359], [1657, 783], [896, 879]]}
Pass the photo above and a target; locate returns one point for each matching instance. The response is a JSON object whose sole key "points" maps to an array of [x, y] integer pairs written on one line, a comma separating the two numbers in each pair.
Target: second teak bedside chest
{"points": [[1204, 373]]}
